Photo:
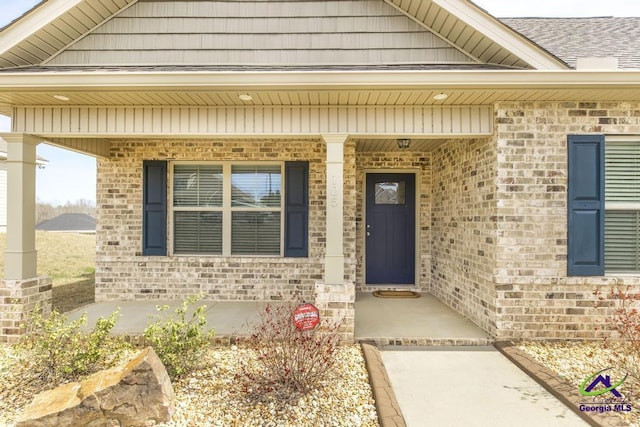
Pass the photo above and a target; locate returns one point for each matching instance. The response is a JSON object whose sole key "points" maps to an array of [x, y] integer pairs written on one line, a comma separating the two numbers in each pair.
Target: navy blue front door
{"points": [[390, 229]]}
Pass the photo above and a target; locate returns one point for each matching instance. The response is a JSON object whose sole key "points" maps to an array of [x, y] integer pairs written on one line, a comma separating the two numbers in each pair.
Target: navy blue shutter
{"points": [[296, 215], [585, 237], [154, 206]]}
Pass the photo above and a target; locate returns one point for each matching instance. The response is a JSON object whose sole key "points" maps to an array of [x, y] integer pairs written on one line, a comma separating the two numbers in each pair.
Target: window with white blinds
{"points": [[622, 206], [227, 209], [256, 206]]}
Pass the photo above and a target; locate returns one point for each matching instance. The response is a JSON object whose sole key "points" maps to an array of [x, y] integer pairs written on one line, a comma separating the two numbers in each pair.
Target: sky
{"points": [[70, 176]]}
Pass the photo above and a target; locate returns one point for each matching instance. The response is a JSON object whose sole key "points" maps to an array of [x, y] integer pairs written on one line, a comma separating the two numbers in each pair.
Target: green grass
{"points": [[65, 257]]}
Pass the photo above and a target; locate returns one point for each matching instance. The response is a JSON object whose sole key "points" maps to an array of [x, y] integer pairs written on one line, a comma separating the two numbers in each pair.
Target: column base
{"points": [[337, 304], [18, 300]]}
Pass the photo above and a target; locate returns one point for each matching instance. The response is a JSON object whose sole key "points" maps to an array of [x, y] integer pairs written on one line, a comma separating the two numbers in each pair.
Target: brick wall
{"points": [[18, 301], [463, 228], [123, 273], [404, 161], [534, 296]]}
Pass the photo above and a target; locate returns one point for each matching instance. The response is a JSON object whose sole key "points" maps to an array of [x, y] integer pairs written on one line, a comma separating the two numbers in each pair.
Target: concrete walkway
{"points": [[467, 387]]}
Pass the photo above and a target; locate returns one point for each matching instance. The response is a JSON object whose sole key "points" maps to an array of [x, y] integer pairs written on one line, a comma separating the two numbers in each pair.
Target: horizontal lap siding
{"points": [[259, 32]]}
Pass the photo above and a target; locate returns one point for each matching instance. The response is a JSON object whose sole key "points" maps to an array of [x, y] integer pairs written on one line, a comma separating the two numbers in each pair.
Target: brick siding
{"points": [[122, 273], [463, 222], [534, 296]]}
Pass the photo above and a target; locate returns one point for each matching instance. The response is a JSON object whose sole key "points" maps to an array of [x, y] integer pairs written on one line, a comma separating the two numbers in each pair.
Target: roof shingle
{"points": [[572, 38]]}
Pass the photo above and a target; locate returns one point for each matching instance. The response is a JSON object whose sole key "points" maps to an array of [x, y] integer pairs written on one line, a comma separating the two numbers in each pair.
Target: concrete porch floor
{"points": [[386, 321], [413, 321], [227, 318]]}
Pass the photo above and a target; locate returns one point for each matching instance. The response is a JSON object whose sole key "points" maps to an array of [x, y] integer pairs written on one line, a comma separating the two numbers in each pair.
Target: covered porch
{"points": [[344, 143]]}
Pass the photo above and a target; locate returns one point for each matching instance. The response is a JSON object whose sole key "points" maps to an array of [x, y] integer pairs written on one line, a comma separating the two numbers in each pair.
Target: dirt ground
{"points": [[74, 295]]}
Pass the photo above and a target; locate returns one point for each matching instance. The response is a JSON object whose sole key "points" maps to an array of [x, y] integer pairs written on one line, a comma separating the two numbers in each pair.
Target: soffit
{"points": [[479, 34], [199, 97], [50, 27], [351, 88], [9, 100]]}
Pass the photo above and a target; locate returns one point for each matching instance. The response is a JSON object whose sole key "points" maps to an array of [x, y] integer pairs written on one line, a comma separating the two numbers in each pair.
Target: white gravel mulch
{"points": [[211, 396], [576, 361]]}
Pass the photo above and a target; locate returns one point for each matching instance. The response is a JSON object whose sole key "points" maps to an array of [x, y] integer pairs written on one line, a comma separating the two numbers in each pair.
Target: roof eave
{"points": [[289, 80], [33, 20], [491, 27]]}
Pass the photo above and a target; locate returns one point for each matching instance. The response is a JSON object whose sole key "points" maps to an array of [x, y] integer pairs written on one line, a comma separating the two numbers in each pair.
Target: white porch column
{"points": [[334, 256], [20, 255]]}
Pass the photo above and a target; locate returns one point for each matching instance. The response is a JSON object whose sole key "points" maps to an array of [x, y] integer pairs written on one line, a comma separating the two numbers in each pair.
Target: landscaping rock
{"points": [[136, 394]]}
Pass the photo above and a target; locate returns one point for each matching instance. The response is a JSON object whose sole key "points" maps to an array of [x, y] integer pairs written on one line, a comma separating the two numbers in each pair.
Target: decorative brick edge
{"points": [[389, 413], [560, 388]]}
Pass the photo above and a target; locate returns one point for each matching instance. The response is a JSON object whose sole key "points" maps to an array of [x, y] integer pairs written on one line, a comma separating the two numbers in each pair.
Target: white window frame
{"points": [[226, 208], [618, 206]]}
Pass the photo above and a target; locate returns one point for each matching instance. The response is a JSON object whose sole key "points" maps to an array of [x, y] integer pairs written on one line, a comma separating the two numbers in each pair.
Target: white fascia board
{"points": [[304, 80], [32, 22], [500, 33]]}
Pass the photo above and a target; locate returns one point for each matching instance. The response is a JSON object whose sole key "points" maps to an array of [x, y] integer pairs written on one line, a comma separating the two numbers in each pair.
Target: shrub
{"points": [[60, 350], [288, 362], [625, 322], [179, 339]]}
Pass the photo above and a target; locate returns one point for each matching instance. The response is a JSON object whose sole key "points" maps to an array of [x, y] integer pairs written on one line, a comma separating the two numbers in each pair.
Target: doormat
{"points": [[396, 294]]}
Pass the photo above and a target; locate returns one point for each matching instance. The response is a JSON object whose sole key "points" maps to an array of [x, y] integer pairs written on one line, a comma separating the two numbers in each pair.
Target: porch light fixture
{"points": [[441, 96], [403, 143], [61, 98], [245, 97]]}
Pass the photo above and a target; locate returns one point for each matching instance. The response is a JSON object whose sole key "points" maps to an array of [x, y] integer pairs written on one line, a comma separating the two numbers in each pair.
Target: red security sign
{"points": [[306, 317]]}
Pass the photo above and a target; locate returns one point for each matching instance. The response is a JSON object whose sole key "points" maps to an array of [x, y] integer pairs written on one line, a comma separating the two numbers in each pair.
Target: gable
{"points": [[273, 33], [259, 32]]}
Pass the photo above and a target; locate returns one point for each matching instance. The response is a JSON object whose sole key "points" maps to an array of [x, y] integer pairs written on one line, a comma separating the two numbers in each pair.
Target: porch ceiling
{"points": [[391, 145], [208, 97], [348, 88]]}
